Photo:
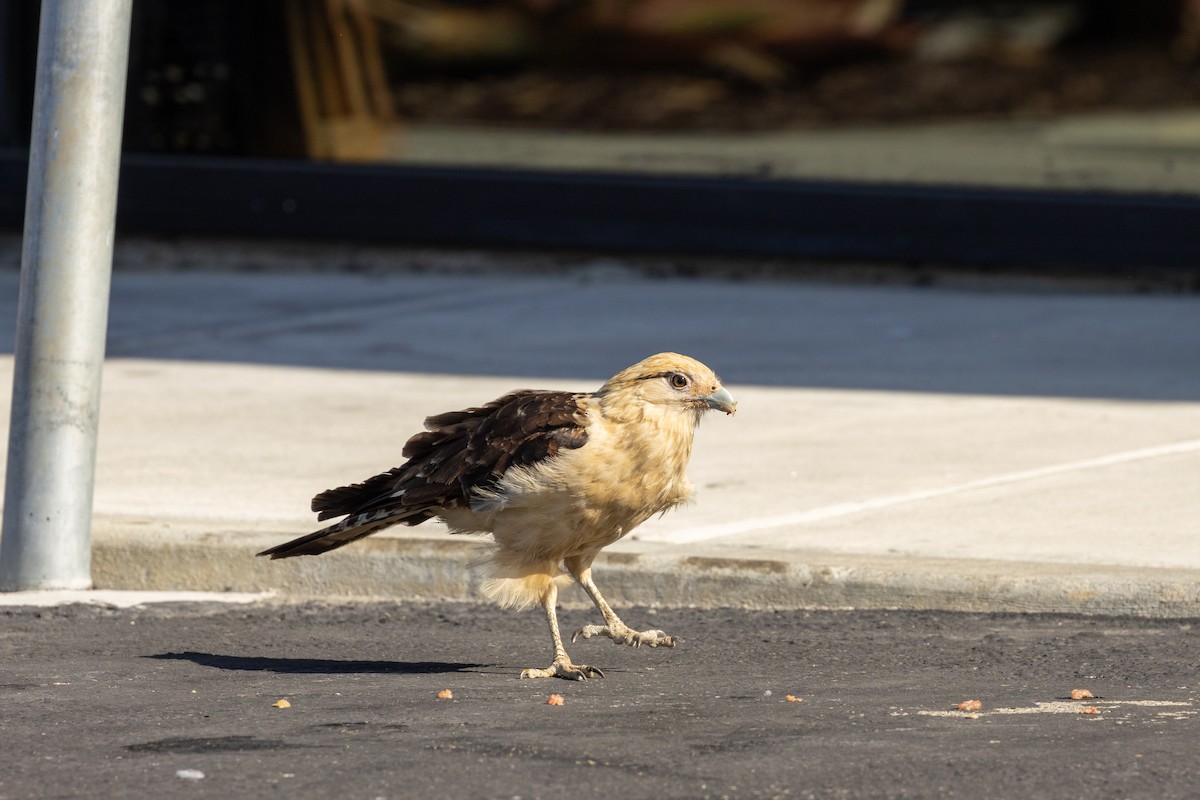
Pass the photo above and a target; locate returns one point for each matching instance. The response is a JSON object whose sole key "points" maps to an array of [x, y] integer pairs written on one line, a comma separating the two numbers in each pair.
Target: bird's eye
{"points": [[678, 381]]}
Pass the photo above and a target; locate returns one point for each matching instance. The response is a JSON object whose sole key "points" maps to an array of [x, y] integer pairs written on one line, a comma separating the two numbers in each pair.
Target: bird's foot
{"points": [[623, 634], [562, 668]]}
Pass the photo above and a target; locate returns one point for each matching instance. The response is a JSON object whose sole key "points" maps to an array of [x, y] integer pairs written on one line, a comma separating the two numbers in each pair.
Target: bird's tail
{"points": [[351, 529]]}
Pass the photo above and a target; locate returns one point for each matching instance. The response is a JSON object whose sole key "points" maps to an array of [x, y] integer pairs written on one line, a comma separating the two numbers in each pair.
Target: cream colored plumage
{"points": [[554, 477]]}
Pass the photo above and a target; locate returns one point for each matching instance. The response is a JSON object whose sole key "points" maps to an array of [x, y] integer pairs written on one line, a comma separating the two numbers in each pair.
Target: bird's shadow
{"points": [[321, 666]]}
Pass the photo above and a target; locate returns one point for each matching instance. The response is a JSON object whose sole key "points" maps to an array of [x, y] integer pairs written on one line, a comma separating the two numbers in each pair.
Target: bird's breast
{"points": [[630, 476], [589, 497]]}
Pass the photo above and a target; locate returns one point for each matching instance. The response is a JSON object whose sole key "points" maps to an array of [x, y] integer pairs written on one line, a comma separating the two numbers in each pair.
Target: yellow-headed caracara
{"points": [[554, 477]]}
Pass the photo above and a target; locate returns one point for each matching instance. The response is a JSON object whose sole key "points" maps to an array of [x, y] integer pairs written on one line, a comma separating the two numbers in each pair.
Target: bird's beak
{"points": [[721, 400]]}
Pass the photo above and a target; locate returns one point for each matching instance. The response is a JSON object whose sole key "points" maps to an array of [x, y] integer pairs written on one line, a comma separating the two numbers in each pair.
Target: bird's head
{"points": [[672, 381]]}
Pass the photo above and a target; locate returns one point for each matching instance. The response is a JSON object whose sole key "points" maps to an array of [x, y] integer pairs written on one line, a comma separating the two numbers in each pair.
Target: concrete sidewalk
{"points": [[894, 446], [1157, 152]]}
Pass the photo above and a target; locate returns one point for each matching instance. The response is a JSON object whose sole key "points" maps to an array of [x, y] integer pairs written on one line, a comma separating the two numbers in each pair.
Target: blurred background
{"points": [[1044, 95]]}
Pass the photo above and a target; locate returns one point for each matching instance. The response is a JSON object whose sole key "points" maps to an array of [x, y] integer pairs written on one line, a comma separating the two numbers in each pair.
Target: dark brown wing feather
{"points": [[458, 452], [463, 450]]}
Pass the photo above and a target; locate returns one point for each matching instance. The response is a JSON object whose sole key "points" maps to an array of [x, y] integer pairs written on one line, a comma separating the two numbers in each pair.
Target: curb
{"points": [[213, 558]]}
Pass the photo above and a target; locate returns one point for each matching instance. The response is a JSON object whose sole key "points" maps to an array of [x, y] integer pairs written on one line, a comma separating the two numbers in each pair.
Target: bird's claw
{"points": [[624, 635], [565, 670]]}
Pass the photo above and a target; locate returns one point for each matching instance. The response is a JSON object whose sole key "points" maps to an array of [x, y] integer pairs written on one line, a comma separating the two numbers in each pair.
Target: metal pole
{"points": [[62, 315]]}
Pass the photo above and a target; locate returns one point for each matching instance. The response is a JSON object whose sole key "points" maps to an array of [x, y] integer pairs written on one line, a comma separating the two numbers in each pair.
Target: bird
{"points": [[553, 476]]}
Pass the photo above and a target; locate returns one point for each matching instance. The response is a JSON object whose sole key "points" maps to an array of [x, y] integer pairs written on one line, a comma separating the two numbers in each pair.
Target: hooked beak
{"points": [[721, 400]]}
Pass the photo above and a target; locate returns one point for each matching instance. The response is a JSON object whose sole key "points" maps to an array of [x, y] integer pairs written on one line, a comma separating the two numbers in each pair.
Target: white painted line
{"points": [[1068, 707], [846, 509]]}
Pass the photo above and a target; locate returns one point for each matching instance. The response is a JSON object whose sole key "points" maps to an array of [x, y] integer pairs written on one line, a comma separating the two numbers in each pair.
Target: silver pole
{"points": [[66, 267]]}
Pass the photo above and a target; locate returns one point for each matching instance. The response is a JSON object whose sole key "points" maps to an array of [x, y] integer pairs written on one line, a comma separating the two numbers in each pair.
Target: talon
{"points": [[588, 631], [565, 670], [623, 635]]}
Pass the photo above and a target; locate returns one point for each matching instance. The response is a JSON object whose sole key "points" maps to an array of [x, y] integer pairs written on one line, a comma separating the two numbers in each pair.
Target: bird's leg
{"points": [[561, 667], [613, 627]]}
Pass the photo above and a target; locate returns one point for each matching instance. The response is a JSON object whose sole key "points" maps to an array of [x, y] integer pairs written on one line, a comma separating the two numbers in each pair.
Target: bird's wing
{"points": [[461, 451], [458, 453]]}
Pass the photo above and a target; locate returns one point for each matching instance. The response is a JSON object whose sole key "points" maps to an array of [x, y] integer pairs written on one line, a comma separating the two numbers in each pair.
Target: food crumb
{"points": [[1089, 710], [1081, 694], [282, 703], [554, 700], [791, 698], [970, 705], [445, 694]]}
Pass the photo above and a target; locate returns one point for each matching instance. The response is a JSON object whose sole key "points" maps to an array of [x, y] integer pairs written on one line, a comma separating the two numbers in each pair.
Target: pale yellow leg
{"points": [[613, 627], [561, 667]]}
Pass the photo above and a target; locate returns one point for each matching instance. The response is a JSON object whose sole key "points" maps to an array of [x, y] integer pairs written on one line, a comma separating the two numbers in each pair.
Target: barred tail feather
{"points": [[351, 529]]}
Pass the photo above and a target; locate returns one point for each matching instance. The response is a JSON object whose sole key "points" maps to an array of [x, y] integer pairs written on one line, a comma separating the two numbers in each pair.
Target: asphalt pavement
{"points": [[390, 701], [975, 448]]}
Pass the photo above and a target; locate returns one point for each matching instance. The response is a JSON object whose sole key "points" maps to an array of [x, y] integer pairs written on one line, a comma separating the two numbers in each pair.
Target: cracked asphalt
{"points": [[180, 700]]}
